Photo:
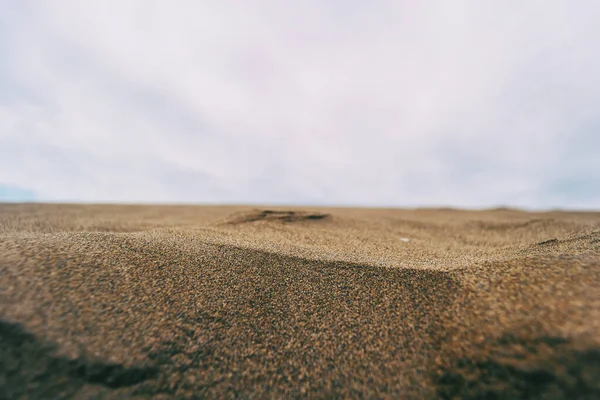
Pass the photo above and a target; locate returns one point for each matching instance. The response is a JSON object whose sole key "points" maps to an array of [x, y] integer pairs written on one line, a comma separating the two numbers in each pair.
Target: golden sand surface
{"points": [[111, 301]]}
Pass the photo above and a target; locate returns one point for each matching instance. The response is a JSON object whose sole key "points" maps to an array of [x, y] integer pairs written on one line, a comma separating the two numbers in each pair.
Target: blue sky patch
{"points": [[15, 194]]}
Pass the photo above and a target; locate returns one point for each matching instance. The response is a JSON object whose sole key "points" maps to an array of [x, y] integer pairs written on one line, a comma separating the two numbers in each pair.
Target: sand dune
{"points": [[183, 301]]}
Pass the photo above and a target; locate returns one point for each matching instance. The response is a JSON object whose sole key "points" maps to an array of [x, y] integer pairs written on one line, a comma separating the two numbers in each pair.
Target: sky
{"points": [[319, 102]]}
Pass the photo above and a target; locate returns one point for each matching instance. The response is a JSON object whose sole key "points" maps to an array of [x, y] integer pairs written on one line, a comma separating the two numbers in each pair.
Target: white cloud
{"points": [[390, 103]]}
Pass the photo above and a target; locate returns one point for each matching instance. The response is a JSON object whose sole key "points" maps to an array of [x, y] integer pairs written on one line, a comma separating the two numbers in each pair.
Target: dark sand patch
{"points": [[30, 368], [285, 216], [517, 367], [547, 242]]}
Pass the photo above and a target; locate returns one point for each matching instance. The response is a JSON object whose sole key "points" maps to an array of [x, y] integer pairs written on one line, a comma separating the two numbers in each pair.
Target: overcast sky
{"points": [[345, 102]]}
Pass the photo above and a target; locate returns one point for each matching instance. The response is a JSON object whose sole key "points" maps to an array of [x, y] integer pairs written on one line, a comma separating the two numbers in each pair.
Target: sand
{"points": [[249, 302]]}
